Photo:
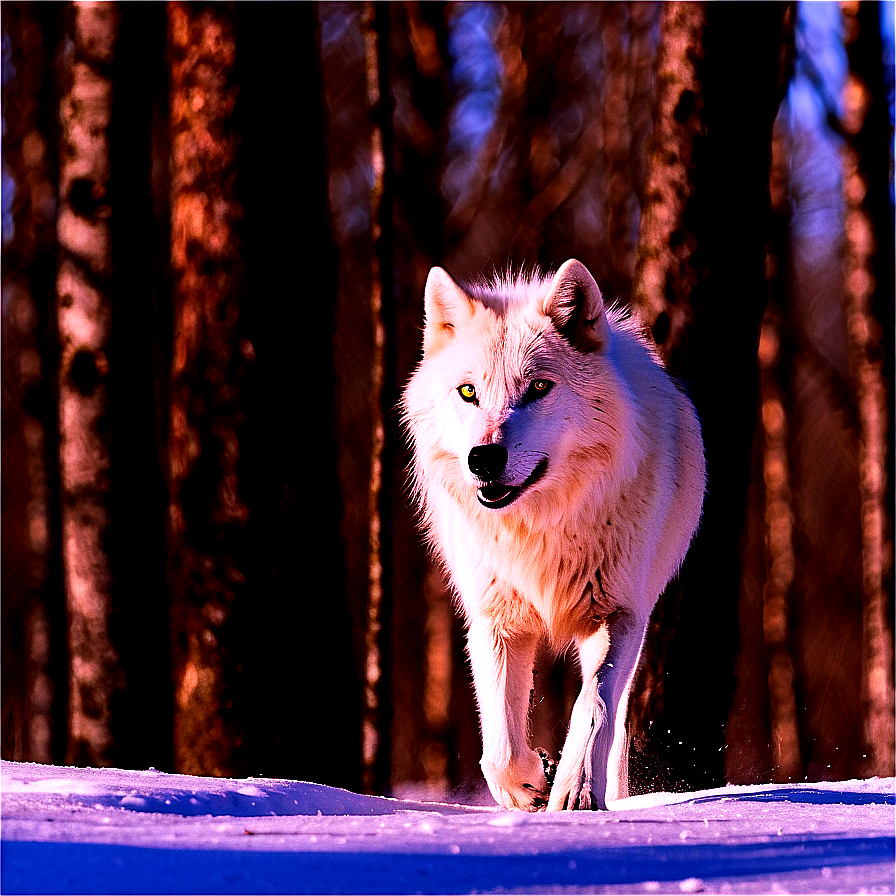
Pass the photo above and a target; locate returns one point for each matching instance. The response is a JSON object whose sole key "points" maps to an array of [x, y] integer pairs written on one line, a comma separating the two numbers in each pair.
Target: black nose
{"points": [[487, 462]]}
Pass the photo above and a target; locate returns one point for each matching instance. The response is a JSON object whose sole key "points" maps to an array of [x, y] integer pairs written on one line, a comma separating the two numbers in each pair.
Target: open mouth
{"points": [[496, 495]]}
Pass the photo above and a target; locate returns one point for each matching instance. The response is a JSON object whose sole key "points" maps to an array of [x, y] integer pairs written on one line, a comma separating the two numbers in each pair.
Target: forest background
{"points": [[217, 223]]}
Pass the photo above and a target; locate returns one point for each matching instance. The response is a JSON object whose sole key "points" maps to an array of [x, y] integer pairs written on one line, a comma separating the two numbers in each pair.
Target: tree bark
{"points": [[706, 319], [34, 617], [787, 762], [665, 273], [84, 322], [869, 257], [207, 514]]}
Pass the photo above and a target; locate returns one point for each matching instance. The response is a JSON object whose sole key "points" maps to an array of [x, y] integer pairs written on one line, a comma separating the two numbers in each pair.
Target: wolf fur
{"points": [[560, 475]]}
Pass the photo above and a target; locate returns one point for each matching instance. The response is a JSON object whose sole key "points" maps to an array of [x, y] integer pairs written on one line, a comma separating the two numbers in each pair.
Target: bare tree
{"points": [[664, 273], [207, 512], [867, 253], [34, 651], [84, 325], [701, 224]]}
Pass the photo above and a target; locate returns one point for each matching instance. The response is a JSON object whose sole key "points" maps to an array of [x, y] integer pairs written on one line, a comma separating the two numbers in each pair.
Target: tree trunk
{"points": [[378, 666], [34, 617], [665, 274], [298, 677], [84, 321], [869, 275], [787, 762], [207, 515], [706, 319]]}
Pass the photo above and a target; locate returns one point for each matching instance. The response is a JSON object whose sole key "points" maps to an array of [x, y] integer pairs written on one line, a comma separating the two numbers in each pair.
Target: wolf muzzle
{"points": [[487, 462]]}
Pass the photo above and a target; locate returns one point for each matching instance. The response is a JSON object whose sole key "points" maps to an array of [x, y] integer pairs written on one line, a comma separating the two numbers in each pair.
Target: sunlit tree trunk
{"points": [[664, 272], [207, 514], [84, 322], [781, 562], [378, 666], [869, 272]]}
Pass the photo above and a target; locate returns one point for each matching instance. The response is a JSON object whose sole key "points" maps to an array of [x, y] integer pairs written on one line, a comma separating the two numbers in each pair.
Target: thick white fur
{"points": [[581, 555]]}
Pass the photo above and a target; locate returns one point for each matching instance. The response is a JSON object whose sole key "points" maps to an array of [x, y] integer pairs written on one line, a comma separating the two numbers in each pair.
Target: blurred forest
{"points": [[217, 222]]}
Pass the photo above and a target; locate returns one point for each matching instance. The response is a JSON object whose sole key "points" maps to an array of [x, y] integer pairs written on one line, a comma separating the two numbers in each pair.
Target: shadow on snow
{"points": [[29, 867]]}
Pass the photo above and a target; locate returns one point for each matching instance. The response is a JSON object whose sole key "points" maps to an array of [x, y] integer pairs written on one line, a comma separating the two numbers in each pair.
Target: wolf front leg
{"points": [[502, 673], [593, 767]]}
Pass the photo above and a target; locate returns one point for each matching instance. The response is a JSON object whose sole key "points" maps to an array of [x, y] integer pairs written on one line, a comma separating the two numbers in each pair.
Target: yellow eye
{"points": [[537, 389], [467, 392]]}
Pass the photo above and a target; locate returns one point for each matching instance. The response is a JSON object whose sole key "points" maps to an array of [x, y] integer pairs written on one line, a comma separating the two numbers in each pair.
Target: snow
{"points": [[69, 830]]}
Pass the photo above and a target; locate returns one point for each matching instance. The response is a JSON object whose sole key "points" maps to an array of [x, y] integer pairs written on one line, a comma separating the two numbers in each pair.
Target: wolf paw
{"points": [[583, 799], [574, 794], [521, 785], [523, 796]]}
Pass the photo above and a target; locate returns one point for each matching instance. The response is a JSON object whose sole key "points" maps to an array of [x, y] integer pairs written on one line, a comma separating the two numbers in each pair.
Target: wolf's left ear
{"points": [[445, 306], [576, 307]]}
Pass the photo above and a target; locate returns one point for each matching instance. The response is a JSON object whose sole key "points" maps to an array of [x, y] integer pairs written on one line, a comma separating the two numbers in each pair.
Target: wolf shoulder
{"points": [[666, 413], [639, 365]]}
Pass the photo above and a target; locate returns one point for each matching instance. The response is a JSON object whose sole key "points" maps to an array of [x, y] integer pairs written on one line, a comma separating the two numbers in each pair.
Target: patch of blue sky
{"points": [[888, 39], [475, 76], [8, 188], [821, 65]]}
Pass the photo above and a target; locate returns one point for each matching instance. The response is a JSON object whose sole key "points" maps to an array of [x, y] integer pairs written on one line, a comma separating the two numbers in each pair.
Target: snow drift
{"points": [[67, 830]]}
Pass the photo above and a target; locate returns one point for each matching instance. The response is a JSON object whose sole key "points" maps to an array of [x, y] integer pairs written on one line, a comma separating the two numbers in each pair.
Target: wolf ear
{"points": [[445, 306], [576, 307]]}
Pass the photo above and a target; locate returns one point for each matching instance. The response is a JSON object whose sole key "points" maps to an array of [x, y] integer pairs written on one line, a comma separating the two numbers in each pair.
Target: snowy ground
{"points": [[68, 830]]}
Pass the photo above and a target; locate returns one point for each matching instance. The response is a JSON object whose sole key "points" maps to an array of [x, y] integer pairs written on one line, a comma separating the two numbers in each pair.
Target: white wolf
{"points": [[561, 475]]}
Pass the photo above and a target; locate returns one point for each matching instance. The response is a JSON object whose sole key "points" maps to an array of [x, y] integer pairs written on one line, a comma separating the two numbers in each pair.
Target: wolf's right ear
{"points": [[445, 306]]}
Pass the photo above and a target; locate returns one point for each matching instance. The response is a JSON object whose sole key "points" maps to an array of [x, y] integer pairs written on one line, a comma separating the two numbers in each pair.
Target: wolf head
{"points": [[516, 388], [572, 302]]}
